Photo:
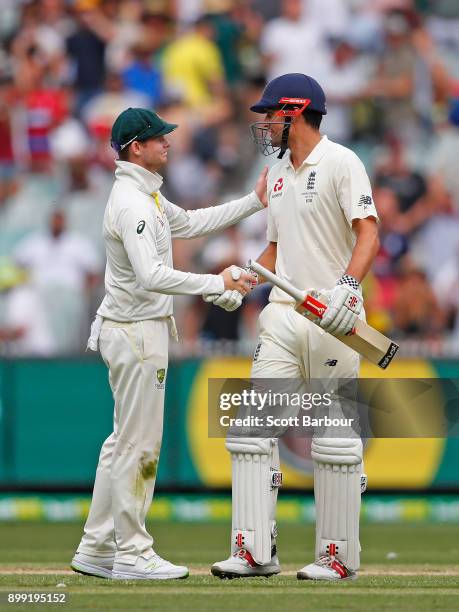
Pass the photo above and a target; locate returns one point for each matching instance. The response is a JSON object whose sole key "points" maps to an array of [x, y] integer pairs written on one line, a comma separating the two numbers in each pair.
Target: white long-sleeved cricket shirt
{"points": [[139, 225]]}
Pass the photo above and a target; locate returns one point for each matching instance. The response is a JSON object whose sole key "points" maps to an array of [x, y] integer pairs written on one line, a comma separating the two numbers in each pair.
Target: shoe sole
{"points": [[227, 575], [91, 570], [301, 576], [124, 576]]}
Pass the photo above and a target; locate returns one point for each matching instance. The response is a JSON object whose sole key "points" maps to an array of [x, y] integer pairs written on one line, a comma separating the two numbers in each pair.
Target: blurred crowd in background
{"points": [[390, 70]]}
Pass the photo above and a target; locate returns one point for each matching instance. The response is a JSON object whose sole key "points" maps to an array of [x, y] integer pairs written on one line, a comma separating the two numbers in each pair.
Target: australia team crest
{"points": [[160, 377]]}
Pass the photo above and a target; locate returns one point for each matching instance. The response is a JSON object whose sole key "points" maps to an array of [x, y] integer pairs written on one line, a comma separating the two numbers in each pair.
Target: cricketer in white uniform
{"points": [[132, 328], [322, 234]]}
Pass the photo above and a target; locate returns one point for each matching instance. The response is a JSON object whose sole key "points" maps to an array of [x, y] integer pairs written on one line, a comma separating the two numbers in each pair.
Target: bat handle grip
{"points": [[308, 302], [314, 306], [295, 293]]}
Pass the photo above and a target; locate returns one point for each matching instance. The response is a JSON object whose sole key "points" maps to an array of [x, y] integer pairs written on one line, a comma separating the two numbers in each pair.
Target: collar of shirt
{"points": [[314, 156], [143, 179]]}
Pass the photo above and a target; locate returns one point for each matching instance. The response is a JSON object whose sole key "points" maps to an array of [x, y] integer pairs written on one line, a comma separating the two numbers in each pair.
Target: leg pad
{"points": [[337, 491], [256, 479]]}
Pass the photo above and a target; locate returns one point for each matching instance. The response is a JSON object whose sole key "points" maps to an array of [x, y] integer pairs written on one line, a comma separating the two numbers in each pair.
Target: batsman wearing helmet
{"points": [[322, 234]]}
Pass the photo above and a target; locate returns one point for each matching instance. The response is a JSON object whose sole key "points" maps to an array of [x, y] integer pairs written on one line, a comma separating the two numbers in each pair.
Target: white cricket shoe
{"points": [[326, 567], [241, 564], [91, 565], [152, 568]]}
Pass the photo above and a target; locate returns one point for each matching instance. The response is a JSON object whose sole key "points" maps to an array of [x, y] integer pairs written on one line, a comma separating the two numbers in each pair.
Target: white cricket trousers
{"points": [[290, 346], [136, 355]]}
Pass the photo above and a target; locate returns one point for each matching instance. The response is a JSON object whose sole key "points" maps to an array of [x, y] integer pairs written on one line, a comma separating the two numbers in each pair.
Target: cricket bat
{"points": [[364, 339]]}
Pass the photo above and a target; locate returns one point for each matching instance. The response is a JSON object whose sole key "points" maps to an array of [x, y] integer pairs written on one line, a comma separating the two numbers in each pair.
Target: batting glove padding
{"points": [[344, 306], [229, 300]]}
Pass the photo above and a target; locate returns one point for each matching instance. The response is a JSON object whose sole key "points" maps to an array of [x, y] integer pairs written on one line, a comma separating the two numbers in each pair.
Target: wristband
{"points": [[349, 280]]}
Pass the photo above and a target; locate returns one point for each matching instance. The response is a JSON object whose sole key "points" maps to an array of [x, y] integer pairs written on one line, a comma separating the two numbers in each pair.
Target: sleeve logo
{"points": [[365, 201], [140, 227]]}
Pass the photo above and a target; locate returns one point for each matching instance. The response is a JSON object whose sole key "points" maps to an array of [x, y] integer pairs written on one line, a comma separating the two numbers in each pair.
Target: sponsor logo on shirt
{"points": [[140, 227], [277, 189], [331, 362]]}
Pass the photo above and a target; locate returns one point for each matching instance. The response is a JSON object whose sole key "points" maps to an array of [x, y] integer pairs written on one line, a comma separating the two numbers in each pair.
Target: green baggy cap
{"points": [[138, 124]]}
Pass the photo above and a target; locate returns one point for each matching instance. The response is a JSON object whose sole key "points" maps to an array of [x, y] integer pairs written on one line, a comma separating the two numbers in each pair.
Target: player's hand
{"points": [[344, 306], [261, 187], [237, 279], [229, 300]]}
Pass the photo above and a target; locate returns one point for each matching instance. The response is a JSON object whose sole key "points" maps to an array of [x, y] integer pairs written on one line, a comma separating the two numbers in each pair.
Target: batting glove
{"points": [[344, 306], [229, 300]]}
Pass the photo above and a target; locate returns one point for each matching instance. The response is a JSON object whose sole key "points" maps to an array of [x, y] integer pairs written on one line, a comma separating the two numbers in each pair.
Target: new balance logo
{"points": [[365, 201], [331, 362]]}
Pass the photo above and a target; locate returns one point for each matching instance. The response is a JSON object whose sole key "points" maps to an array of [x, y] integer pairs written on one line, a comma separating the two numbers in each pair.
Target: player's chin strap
{"points": [[285, 133]]}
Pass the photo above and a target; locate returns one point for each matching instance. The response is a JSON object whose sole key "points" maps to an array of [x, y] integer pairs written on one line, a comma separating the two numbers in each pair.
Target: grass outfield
{"points": [[424, 575]]}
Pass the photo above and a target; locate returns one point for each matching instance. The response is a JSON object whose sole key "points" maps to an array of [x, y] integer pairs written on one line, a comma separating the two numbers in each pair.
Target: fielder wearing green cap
{"points": [[132, 330], [139, 124]]}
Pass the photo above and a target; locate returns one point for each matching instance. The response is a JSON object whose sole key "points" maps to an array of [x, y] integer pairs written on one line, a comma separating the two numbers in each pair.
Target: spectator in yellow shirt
{"points": [[193, 67]]}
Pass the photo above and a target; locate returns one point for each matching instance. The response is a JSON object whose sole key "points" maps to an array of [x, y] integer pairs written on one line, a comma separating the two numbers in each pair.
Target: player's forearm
{"points": [[365, 250], [204, 221], [268, 260], [163, 279]]}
